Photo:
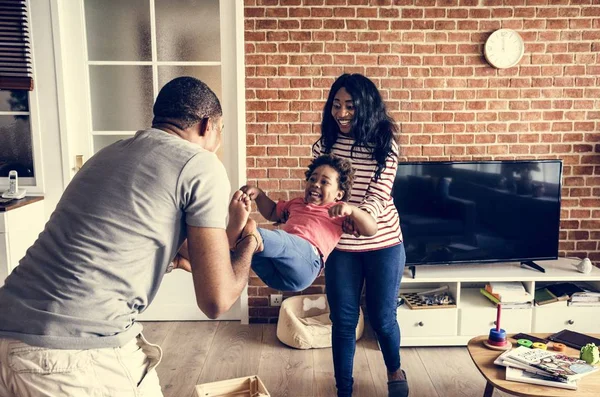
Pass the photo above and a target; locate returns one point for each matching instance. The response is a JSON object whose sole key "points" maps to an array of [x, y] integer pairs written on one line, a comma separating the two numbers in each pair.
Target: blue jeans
{"points": [[381, 271], [288, 262]]}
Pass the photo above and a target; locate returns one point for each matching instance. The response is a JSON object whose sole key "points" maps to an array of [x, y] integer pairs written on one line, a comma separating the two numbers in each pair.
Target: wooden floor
{"points": [[201, 352]]}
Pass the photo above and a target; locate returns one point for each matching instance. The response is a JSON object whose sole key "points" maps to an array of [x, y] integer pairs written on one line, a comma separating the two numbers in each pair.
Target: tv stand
{"points": [[413, 271], [533, 265], [473, 314]]}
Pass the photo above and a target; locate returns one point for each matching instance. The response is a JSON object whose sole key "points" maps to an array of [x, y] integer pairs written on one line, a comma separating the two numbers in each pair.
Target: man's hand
{"points": [[181, 263]]}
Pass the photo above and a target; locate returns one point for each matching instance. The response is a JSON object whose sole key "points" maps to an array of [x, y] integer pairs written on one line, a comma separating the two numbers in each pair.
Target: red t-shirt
{"points": [[312, 223]]}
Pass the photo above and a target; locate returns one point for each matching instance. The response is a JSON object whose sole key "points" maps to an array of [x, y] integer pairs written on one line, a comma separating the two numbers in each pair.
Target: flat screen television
{"points": [[479, 211]]}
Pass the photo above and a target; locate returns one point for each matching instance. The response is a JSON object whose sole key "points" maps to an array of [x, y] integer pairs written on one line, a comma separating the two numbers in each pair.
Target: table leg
{"points": [[489, 390]]}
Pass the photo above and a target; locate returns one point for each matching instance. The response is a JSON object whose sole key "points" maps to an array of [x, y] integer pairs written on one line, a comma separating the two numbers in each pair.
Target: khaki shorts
{"points": [[129, 370]]}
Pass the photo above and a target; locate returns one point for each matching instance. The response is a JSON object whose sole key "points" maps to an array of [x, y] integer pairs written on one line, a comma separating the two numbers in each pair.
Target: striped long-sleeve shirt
{"points": [[370, 195]]}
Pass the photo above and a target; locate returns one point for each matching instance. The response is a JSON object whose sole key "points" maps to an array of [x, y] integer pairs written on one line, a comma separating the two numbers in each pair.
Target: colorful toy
{"points": [[538, 345], [497, 338], [524, 342], [559, 347]]}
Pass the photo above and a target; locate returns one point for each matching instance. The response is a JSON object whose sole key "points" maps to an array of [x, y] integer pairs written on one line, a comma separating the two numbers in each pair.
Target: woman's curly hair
{"points": [[343, 168]]}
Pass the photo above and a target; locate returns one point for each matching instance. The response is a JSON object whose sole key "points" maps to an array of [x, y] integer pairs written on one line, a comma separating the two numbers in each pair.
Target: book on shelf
{"points": [[556, 364], [542, 296], [564, 289], [586, 296], [508, 291], [584, 303], [505, 305], [519, 375]]}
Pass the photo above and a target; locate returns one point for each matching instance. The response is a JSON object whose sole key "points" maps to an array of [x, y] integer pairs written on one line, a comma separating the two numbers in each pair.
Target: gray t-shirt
{"points": [[103, 253]]}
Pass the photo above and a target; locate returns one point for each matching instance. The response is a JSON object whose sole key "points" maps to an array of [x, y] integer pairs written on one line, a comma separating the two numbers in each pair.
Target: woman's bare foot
{"points": [[251, 228], [239, 211]]}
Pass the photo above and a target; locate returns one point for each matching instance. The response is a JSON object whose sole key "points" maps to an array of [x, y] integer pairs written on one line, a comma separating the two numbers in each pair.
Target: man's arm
{"points": [[218, 277]]}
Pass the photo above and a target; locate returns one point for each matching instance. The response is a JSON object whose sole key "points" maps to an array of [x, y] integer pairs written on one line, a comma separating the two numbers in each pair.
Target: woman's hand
{"points": [[349, 228]]}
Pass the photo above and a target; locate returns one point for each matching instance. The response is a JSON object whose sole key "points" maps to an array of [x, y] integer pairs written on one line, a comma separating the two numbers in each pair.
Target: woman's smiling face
{"points": [[342, 110]]}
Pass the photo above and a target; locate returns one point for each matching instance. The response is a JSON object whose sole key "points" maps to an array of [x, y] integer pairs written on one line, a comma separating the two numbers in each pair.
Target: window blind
{"points": [[15, 53]]}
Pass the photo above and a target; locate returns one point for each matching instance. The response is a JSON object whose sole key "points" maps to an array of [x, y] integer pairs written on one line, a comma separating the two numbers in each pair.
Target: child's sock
{"points": [[398, 388]]}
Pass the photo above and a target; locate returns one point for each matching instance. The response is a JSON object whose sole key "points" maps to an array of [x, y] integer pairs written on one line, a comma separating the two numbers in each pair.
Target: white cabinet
{"points": [[20, 224], [429, 323], [580, 319], [476, 315]]}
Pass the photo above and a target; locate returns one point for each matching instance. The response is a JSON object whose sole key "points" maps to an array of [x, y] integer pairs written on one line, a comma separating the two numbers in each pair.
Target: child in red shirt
{"points": [[290, 259]]}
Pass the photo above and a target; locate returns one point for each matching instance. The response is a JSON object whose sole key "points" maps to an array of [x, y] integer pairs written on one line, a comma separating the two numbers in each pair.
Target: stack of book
{"points": [[512, 295], [585, 298], [543, 367]]}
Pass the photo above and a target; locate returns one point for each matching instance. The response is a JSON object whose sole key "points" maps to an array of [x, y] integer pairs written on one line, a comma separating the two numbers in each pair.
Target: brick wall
{"points": [[426, 57]]}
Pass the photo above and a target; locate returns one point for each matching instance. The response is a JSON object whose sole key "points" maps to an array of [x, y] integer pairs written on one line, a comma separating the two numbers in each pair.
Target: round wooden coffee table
{"points": [[588, 386]]}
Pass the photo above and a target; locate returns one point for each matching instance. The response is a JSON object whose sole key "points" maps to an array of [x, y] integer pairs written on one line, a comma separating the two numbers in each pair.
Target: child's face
{"points": [[342, 110], [322, 187]]}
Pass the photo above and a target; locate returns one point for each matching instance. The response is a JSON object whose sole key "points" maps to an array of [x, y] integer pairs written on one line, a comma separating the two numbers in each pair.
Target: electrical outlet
{"points": [[276, 299]]}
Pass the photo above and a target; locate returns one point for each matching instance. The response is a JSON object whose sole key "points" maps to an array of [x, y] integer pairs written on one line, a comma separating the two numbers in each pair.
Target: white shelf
{"points": [[471, 298], [556, 270], [474, 314]]}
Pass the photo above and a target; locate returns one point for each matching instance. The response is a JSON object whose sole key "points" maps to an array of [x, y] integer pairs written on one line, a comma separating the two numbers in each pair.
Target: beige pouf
{"points": [[304, 322]]}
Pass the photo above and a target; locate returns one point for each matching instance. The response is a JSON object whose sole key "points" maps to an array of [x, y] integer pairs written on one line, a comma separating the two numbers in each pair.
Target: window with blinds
{"points": [[15, 53], [16, 82]]}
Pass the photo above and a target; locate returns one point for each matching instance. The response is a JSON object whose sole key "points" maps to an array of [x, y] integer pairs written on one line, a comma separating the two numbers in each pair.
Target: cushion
{"points": [[304, 322]]}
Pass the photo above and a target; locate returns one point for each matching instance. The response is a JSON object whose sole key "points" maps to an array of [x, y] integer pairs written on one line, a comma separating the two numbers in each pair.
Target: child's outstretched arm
{"points": [[265, 205], [363, 221]]}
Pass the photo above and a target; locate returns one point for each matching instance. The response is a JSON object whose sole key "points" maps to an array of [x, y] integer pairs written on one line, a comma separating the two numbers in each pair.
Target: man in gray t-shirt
{"points": [[101, 258]]}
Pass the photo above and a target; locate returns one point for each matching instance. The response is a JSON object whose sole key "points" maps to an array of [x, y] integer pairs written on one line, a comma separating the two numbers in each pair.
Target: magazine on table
{"points": [[559, 365], [504, 361], [520, 375]]}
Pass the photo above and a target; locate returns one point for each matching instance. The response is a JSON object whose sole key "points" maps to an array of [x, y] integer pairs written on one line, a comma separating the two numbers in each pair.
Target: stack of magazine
{"points": [[543, 367]]}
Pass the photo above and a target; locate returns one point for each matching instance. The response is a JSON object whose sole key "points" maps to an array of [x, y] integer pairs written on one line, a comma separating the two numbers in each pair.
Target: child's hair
{"points": [[372, 127], [343, 168]]}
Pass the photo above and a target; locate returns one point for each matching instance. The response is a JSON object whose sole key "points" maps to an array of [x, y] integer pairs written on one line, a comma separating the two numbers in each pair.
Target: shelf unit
{"points": [[475, 314]]}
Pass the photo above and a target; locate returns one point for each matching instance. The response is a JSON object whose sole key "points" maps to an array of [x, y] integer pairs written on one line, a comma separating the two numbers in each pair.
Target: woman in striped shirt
{"points": [[356, 126]]}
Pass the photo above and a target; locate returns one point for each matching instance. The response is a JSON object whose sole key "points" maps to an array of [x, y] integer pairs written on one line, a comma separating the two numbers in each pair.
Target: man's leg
{"points": [[127, 371], [4, 369]]}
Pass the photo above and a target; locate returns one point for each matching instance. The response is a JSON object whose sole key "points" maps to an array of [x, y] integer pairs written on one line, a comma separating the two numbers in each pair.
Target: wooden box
{"points": [[249, 386]]}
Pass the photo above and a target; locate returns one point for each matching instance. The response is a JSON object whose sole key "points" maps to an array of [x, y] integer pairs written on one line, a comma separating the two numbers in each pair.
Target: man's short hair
{"points": [[187, 101]]}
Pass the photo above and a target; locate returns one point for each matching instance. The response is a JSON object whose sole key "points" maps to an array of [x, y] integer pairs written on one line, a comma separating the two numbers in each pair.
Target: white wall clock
{"points": [[504, 48]]}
